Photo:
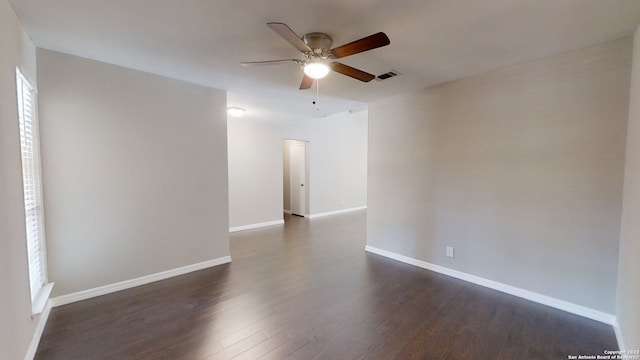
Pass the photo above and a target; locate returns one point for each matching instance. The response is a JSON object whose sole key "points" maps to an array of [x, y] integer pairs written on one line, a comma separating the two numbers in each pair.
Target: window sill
{"points": [[39, 302]]}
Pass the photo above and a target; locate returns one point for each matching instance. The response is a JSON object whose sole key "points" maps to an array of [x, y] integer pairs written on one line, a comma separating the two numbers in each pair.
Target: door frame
{"points": [[287, 176]]}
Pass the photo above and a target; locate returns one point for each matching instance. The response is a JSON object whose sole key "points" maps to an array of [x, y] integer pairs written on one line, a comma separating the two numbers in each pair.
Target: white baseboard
{"points": [[313, 216], [255, 226], [508, 289], [127, 284], [37, 334], [616, 329], [286, 211]]}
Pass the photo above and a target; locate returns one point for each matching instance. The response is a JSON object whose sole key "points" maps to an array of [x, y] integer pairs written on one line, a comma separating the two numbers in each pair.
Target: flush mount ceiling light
{"points": [[235, 111], [316, 69]]}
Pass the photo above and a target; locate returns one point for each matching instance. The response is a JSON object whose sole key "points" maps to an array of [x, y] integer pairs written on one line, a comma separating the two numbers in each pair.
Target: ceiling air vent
{"points": [[387, 75]]}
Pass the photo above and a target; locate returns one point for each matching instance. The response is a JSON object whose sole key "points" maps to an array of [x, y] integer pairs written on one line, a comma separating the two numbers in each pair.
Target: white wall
{"points": [[255, 172], [337, 153], [628, 292], [337, 160], [134, 172], [520, 170], [16, 325]]}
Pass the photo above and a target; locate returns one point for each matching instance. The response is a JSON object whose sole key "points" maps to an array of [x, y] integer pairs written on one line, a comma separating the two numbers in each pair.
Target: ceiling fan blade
{"points": [[269, 62], [306, 82], [351, 72], [286, 33], [368, 43]]}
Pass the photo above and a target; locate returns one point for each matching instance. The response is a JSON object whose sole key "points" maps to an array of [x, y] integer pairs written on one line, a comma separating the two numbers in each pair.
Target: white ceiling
{"points": [[432, 41]]}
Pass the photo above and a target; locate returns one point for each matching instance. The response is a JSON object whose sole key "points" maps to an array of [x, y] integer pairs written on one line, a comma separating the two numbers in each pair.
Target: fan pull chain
{"points": [[317, 94]]}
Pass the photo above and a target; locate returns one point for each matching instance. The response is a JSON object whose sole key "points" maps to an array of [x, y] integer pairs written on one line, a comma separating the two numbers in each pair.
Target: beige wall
{"points": [[134, 171], [255, 172], [628, 292], [337, 160], [520, 170], [16, 325], [337, 172]]}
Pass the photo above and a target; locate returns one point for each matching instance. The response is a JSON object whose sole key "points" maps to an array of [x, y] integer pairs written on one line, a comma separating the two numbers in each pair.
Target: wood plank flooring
{"points": [[309, 291]]}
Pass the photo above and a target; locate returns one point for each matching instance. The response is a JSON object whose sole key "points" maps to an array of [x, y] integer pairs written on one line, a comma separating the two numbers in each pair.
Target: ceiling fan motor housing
{"points": [[320, 43], [316, 48]]}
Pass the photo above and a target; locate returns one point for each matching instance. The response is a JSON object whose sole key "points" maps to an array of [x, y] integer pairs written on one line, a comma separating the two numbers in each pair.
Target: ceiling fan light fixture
{"points": [[235, 111], [316, 70], [319, 54]]}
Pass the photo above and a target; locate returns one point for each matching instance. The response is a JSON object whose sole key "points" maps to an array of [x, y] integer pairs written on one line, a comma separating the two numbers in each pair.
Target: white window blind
{"points": [[31, 180]]}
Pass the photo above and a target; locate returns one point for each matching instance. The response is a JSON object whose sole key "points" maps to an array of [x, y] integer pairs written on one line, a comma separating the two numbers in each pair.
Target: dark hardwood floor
{"points": [[309, 291]]}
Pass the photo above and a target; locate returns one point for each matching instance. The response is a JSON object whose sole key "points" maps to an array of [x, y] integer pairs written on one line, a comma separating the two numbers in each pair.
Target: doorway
{"points": [[295, 177]]}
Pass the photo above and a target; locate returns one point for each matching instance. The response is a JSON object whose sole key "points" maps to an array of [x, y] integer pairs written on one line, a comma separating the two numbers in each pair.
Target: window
{"points": [[32, 185]]}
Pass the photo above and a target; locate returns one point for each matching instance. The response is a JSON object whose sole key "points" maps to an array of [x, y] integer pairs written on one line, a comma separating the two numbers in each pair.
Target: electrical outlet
{"points": [[450, 251]]}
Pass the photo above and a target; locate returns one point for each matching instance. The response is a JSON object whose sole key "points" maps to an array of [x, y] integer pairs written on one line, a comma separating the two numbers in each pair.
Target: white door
{"points": [[298, 172]]}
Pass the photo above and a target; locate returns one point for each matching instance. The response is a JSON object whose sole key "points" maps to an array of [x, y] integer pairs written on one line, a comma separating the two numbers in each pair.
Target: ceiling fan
{"points": [[317, 51]]}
